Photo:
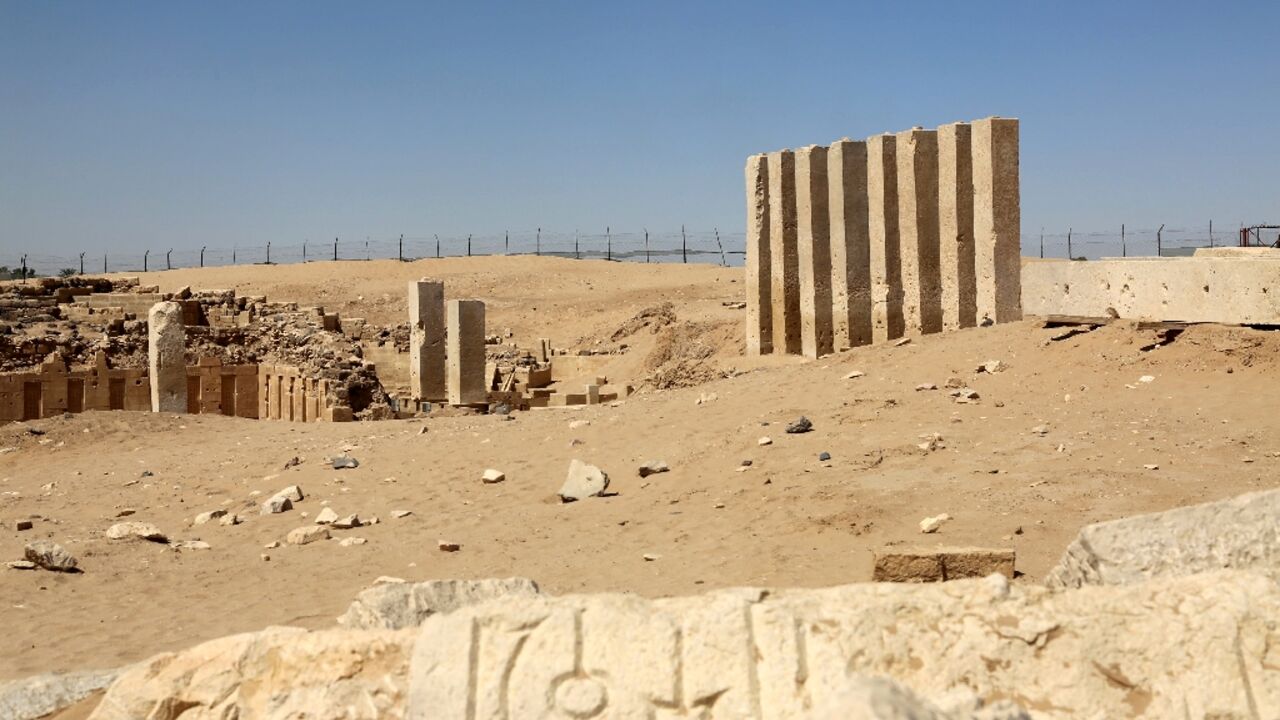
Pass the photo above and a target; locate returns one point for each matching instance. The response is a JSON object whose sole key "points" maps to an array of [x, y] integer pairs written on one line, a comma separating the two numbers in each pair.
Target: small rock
{"points": [[326, 516], [49, 555], [1151, 467], [190, 545], [931, 524], [653, 467], [650, 557], [349, 541], [230, 519], [126, 512], [348, 522], [824, 456], [23, 525], [901, 342], [992, 367], [145, 531], [746, 463], [705, 398], [265, 557], [1147, 379], [307, 534], [492, 476], [765, 441], [276, 504], [272, 545], [926, 386], [803, 425], [954, 383], [583, 481], [1040, 430], [293, 492], [342, 462], [579, 424], [447, 546], [21, 565], [401, 513], [205, 517], [292, 462], [854, 374]]}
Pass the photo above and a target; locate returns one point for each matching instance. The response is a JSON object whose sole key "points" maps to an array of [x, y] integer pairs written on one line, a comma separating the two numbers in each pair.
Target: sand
{"points": [[790, 520]]}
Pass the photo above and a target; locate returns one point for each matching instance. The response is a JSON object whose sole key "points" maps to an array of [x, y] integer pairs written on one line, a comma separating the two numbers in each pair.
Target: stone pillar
{"points": [[997, 220], [918, 230], [813, 239], [783, 253], [166, 350], [955, 226], [882, 224], [850, 248], [426, 340], [759, 265], [466, 367]]}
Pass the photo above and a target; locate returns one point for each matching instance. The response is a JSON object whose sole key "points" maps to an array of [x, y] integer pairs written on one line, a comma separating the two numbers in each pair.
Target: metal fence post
{"points": [[576, 254], [646, 244], [1160, 241], [400, 252], [684, 246], [81, 263], [538, 240], [202, 247], [608, 237], [144, 260], [167, 263], [335, 249]]}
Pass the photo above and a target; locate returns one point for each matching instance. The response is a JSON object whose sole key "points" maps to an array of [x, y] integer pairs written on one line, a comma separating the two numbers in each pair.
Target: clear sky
{"points": [[127, 125]]}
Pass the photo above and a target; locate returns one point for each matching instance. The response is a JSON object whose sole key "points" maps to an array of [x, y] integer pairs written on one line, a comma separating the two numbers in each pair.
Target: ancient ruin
{"points": [[899, 235]]}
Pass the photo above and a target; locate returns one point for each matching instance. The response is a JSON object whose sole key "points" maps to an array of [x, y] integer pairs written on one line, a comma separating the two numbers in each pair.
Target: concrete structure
{"points": [[465, 357], [813, 239], [917, 156], [955, 227], [426, 340], [784, 253], [759, 265], [1231, 290], [850, 244], [166, 352], [903, 234], [997, 219]]}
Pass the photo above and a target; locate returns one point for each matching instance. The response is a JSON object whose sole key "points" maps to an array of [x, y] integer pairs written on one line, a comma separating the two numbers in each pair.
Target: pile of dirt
{"points": [[683, 354]]}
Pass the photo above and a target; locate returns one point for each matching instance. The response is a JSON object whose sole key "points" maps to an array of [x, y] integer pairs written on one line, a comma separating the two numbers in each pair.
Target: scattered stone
{"points": [[190, 545], [954, 383], [349, 541], [145, 531], [824, 456], [126, 512], [650, 557], [342, 462], [393, 604], [1040, 430], [50, 556], [23, 525], [653, 467], [583, 481], [765, 441], [276, 504], [992, 367], [705, 398], [1147, 379], [397, 514], [205, 517], [932, 441], [803, 425], [931, 524], [307, 534], [21, 565], [42, 696], [941, 564], [746, 463], [854, 374], [272, 545], [230, 519], [492, 476], [1151, 466], [579, 424], [447, 546], [293, 492], [926, 386], [902, 341], [964, 395], [326, 516], [348, 522]]}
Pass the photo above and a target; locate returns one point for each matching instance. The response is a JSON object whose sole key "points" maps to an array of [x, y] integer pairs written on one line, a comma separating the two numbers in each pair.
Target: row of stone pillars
{"points": [[868, 241], [446, 347]]}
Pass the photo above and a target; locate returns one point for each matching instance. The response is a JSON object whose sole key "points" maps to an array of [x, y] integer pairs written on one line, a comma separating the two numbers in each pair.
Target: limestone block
{"points": [[1197, 647], [850, 244], [941, 564], [955, 226], [997, 219], [917, 157], [166, 349], [394, 606], [426, 340], [758, 260], [465, 356], [42, 695], [784, 256], [275, 674], [813, 239], [882, 224], [1239, 533]]}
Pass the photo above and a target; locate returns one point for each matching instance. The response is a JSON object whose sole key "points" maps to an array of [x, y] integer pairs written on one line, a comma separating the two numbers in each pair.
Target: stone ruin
{"points": [[869, 241], [1172, 614]]}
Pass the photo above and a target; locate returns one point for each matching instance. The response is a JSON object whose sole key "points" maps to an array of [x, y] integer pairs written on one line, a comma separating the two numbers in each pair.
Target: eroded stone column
{"points": [[166, 351], [426, 340], [997, 220], [759, 264], [882, 223], [465, 356], [955, 226], [813, 239], [850, 245], [918, 230], [783, 253]]}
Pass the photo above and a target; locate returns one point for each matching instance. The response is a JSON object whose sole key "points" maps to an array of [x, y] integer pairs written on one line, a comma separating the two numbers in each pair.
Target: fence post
{"points": [[233, 254], [167, 264], [576, 254], [1070, 255], [268, 252], [81, 263], [104, 262], [400, 252], [1124, 251], [723, 262], [366, 248], [538, 240], [437, 237], [304, 251], [202, 247], [468, 244], [506, 242], [608, 236], [1210, 233], [684, 245], [144, 260], [1159, 241], [646, 244], [335, 249], [1041, 243], [24, 269]]}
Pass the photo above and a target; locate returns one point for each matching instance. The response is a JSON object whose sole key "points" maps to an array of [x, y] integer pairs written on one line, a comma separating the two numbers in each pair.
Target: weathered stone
{"points": [[276, 674], [293, 492], [21, 565], [348, 522], [307, 534], [448, 546], [583, 481], [491, 476], [917, 157], [465, 358], [208, 516], [42, 695], [884, 252], [398, 605], [166, 348], [342, 462], [941, 564], [49, 555], [802, 425], [1239, 533], [880, 698], [426, 340], [997, 219], [133, 529], [955, 226], [276, 504], [932, 523], [351, 541], [21, 525], [326, 516], [1199, 646], [191, 545], [653, 467], [813, 244], [758, 260], [784, 291], [850, 244]]}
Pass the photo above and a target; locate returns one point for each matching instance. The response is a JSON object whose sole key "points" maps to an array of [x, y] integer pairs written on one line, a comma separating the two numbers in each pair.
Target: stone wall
{"points": [[875, 240], [287, 393]]}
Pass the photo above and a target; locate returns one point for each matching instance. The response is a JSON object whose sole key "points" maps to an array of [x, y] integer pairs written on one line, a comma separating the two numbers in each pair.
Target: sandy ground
{"points": [[1206, 420]]}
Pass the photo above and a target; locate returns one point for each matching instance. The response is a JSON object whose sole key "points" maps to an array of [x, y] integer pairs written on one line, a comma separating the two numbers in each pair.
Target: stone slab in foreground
{"points": [[399, 605], [1240, 533], [42, 695]]}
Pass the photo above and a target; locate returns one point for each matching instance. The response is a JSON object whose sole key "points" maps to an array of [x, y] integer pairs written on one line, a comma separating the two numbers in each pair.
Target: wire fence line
{"points": [[1129, 241]]}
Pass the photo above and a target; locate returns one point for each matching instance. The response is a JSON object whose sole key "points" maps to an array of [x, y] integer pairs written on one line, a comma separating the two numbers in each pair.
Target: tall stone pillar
{"points": [[783, 253], [882, 224], [426, 340], [813, 238], [759, 263], [166, 351], [997, 220], [466, 367], [918, 230], [850, 245], [955, 226]]}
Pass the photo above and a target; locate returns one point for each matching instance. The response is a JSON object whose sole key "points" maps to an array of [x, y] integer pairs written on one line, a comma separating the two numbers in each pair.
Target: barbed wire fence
{"points": [[1156, 240]]}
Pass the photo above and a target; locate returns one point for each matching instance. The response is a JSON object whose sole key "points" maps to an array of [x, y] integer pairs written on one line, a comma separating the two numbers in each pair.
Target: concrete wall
{"points": [[871, 241]]}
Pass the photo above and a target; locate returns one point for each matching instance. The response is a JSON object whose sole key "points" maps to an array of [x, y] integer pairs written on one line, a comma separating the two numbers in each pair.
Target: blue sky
{"points": [[128, 125]]}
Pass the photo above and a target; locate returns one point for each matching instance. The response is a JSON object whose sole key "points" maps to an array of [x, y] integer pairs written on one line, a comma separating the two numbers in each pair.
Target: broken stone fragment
{"points": [[307, 534], [205, 517], [50, 556], [401, 513], [145, 531], [447, 546], [583, 481], [293, 492], [803, 425], [491, 476], [931, 524], [21, 565], [764, 441], [326, 516], [653, 467], [190, 545], [276, 504], [348, 522], [350, 541], [393, 604], [342, 462]]}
